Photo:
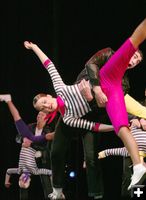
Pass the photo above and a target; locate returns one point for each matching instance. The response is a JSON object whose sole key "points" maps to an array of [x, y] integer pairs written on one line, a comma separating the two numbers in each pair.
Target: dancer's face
{"points": [[41, 117], [46, 104], [24, 183], [135, 60]]}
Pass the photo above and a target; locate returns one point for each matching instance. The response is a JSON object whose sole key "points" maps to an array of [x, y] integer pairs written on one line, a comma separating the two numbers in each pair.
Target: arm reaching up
{"points": [[21, 127], [41, 55]]}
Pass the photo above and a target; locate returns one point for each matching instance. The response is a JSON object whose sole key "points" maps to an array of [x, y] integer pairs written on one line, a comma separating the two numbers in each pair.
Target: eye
{"points": [[44, 102], [42, 109]]}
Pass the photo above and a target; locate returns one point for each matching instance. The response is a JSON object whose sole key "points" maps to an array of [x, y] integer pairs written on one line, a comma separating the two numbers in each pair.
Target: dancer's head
{"points": [[135, 59], [45, 102], [24, 180], [41, 118]]}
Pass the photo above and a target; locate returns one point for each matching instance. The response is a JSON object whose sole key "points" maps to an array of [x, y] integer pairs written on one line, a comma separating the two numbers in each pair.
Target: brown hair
{"points": [[140, 52], [37, 97]]}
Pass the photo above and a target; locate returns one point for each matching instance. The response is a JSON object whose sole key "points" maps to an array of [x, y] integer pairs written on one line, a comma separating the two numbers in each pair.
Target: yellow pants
{"points": [[134, 107]]}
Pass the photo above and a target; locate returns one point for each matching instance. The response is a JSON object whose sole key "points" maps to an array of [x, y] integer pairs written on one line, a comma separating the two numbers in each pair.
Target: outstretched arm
{"points": [[88, 125], [47, 63], [134, 107], [113, 152], [8, 176]]}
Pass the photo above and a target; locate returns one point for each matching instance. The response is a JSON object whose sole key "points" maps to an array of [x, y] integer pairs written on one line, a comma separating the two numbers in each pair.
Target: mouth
{"points": [[129, 65], [50, 107]]}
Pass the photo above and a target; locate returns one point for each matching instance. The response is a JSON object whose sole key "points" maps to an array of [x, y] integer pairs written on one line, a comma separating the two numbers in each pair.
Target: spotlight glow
{"points": [[72, 174]]}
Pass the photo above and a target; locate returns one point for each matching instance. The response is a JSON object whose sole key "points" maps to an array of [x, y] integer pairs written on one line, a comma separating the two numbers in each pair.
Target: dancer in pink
{"points": [[111, 75]]}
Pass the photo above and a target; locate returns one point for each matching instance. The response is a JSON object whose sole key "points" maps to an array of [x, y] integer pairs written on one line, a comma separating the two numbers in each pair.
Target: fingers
{"points": [[84, 84], [101, 99], [27, 44], [143, 123], [100, 103]]}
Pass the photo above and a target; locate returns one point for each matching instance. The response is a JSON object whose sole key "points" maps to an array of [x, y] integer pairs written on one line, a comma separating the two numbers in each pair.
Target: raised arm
{"points": [[88, 125], [40, 54], [21, 127], [47, 63]]}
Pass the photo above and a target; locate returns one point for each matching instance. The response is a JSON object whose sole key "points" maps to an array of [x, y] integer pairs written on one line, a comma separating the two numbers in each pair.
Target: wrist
{"points": [[96, 88], [95, 127], [34, 46], [90, 99]]}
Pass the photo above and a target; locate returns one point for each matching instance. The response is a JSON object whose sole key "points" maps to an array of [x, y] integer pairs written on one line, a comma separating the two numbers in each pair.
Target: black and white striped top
{"points": [[27, 163], [140, 137], [76, 106]]}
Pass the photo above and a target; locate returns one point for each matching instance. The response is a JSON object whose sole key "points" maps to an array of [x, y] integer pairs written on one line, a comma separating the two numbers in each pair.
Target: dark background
{"points": [[69, 32]]}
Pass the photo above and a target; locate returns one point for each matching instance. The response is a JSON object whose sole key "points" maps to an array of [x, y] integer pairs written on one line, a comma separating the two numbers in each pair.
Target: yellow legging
{"points": [[134, 107]]}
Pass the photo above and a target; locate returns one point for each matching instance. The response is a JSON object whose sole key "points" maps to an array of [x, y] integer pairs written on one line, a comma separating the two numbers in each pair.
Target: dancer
{"points": [[42, 127], [61, 141], [30, 152]]}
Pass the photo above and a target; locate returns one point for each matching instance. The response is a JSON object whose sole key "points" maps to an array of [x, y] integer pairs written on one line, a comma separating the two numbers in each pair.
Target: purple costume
{"points": [[24, 131]]}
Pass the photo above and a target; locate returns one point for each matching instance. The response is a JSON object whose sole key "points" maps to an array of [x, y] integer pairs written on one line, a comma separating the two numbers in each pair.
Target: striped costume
{"points": [[27, 163], [76, 106]]}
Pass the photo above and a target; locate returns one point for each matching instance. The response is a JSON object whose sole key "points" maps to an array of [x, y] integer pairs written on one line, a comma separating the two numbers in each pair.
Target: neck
{"points": [[39, 126]]}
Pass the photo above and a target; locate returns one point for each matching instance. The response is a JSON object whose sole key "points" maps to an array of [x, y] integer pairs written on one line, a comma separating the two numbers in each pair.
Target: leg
{"points": [[121, 126], [139, 35], [93, 168], [60, 146], [130, 144], [46, 185], [58, 155], [127, 172], [44, 162], [113, 70]]}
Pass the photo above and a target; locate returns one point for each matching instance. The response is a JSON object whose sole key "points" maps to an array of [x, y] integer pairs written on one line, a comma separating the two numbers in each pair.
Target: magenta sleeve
{"points": [[47, 62], [96, 127]]}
